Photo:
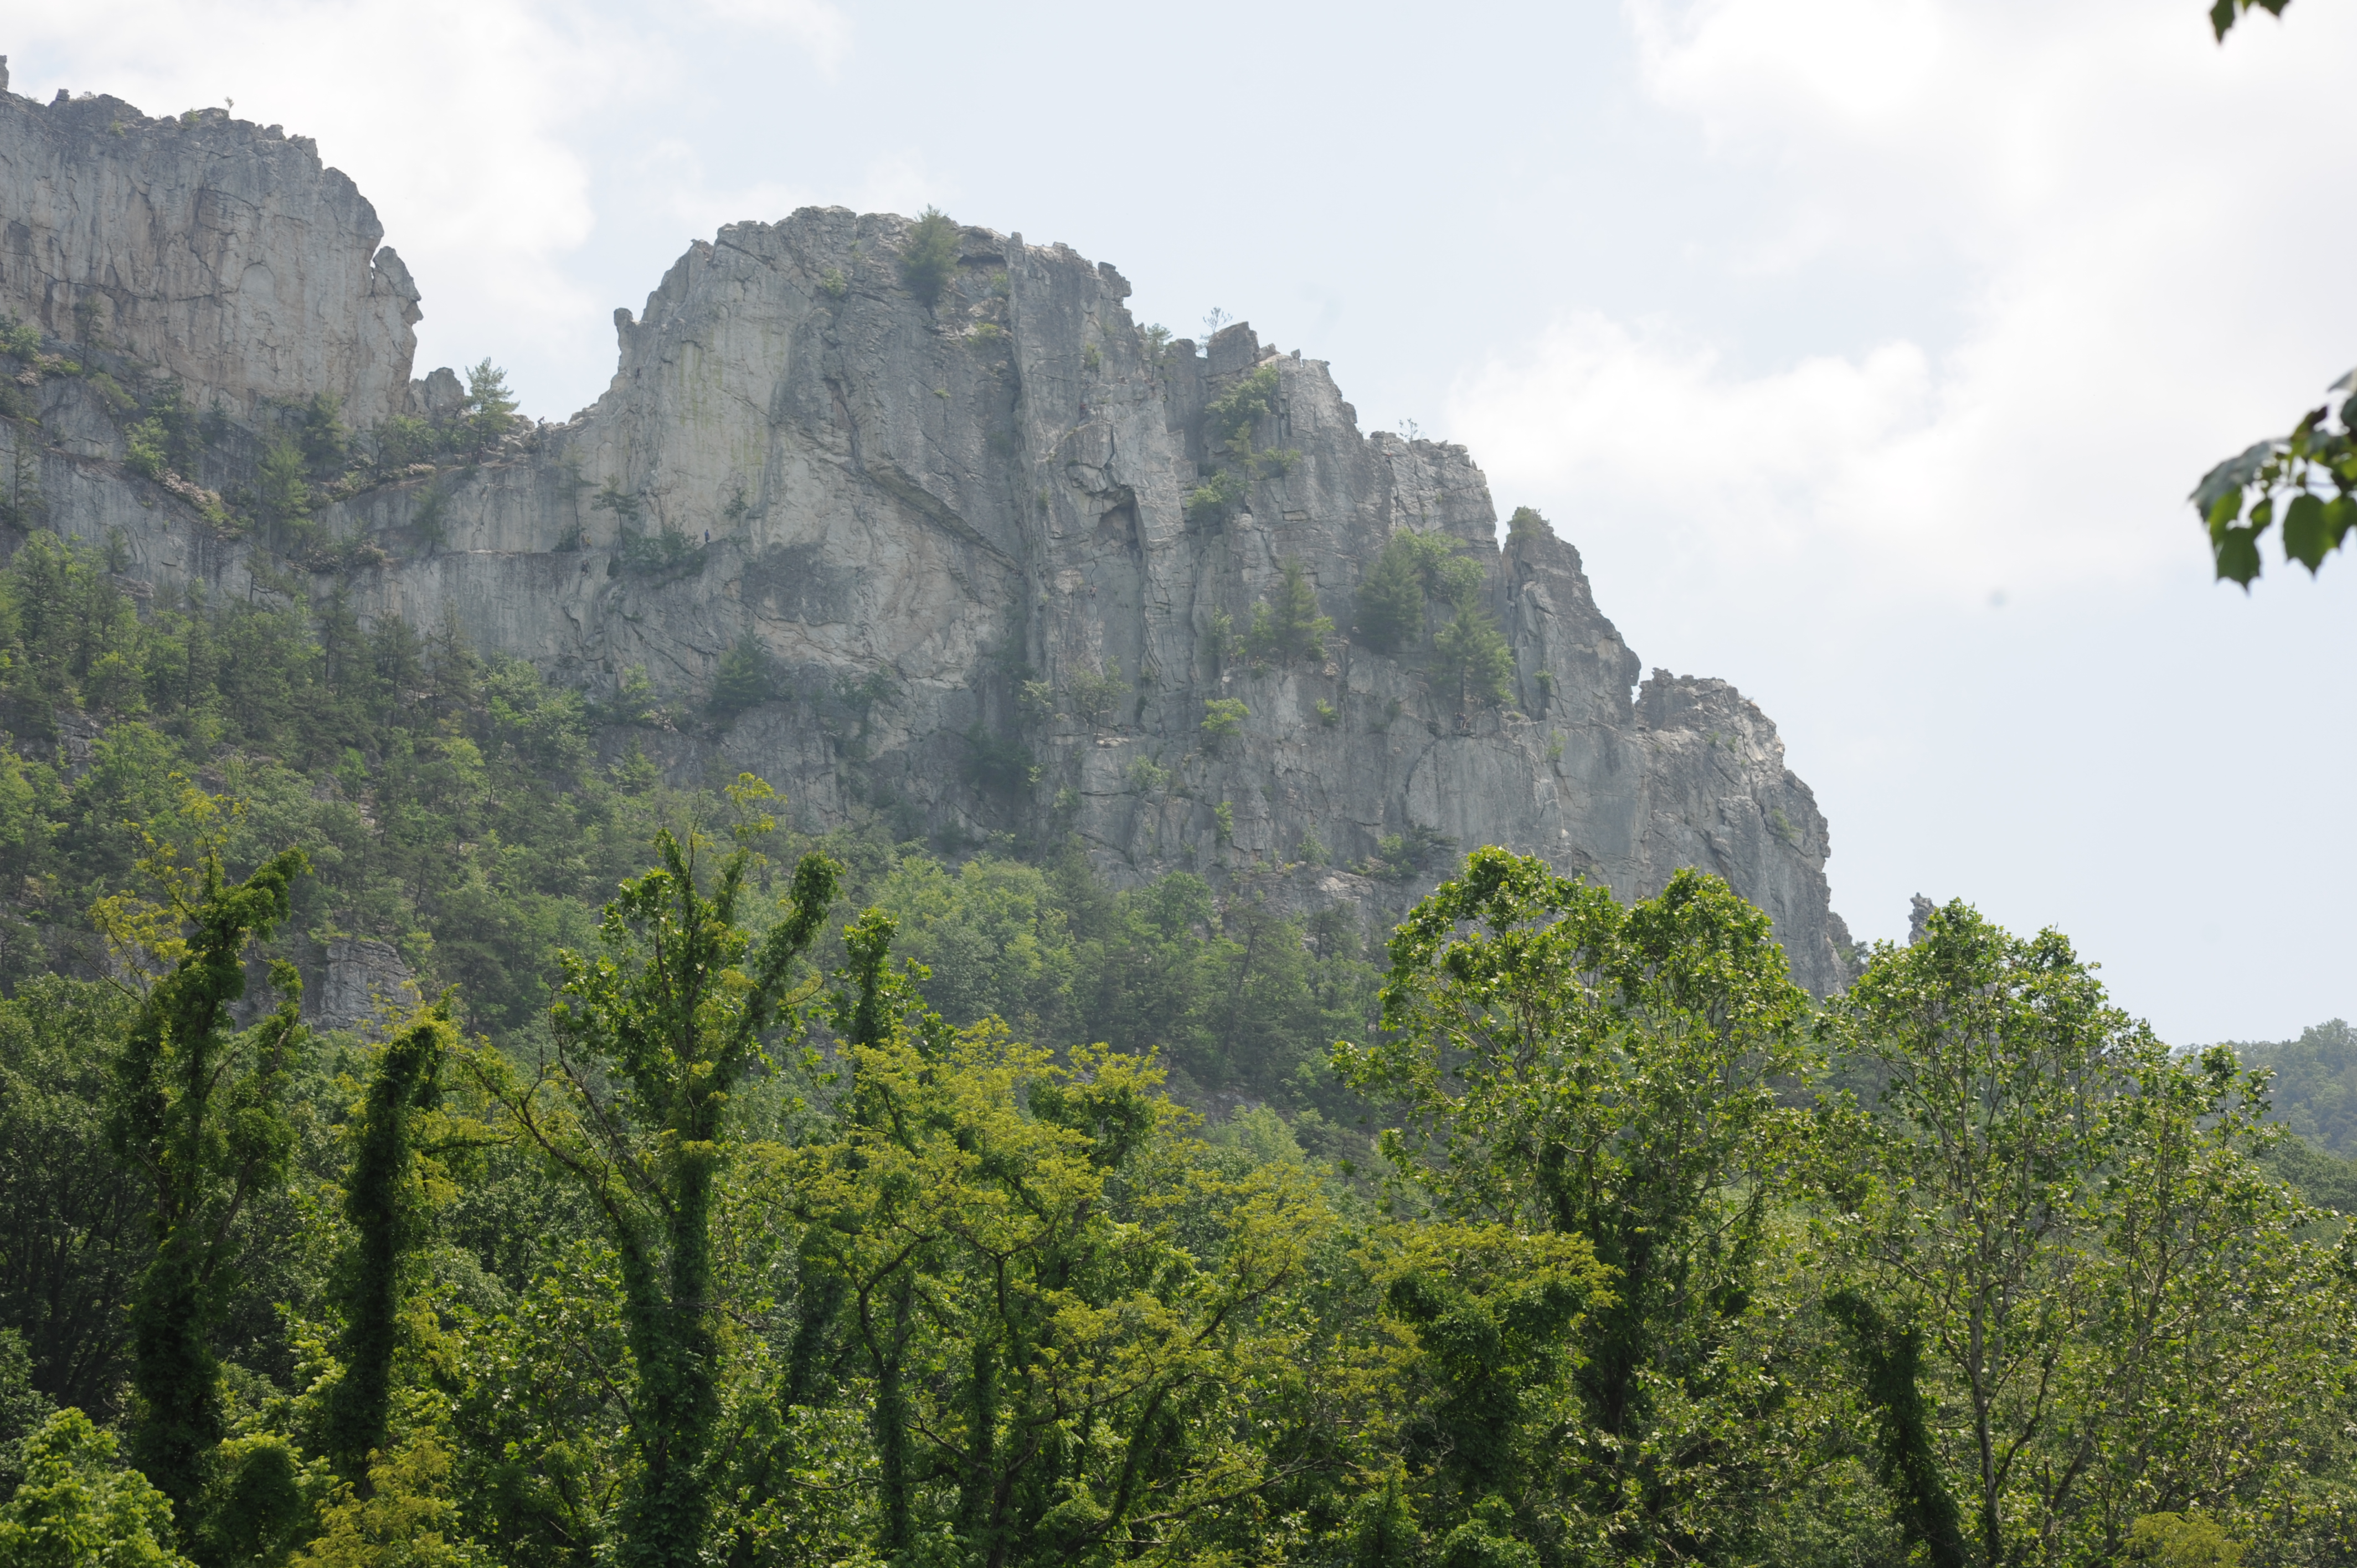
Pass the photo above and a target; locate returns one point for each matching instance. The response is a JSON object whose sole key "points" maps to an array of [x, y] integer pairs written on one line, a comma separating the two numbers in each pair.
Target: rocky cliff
{"points": [[990, 556]]}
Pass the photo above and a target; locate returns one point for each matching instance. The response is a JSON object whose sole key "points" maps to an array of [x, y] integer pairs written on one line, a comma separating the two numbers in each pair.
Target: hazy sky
{"points": [[1866, 348]]}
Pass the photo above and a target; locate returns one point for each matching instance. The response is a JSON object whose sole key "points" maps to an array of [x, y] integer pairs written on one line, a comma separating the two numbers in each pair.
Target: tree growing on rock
{"points": [[1286, 626], [928, 258]]}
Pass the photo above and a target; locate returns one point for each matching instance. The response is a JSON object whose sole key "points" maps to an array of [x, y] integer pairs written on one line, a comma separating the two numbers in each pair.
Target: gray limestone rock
{"points": [[221, 253], [365, 984], [961, 532]]}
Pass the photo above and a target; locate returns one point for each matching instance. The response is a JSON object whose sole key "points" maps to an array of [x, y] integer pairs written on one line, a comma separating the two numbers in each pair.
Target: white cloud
{"points": [[821, 29], [2111, 184], [467, 122], [892, 182]]}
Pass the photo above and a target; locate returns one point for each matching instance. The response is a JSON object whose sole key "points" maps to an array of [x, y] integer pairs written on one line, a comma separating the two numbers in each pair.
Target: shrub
{"points": [[1216, 495], [1224, 815], [998, 763], [1398, 856], [1229, 419], [743, 678], [1096, 697], [111, 393], [1327, 714], [1224, 716], [835, 285], [1225, 644], [1525, 526], [405, 439], [1092, 358], [658, 554], [929, 257], [148, 455], [77, 1508], [1288, 626]]}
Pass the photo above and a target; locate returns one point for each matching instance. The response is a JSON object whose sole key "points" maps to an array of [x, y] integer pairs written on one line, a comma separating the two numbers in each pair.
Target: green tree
{"points": [[1565, 1065], [1391, 597], [1286, 626], [2312, 1083], [653, 1038], [200, 1112], [489, 412], [1060, 1374], [282, 491], [77, 1508], [1471, 653], [1890, 1360], [1493, 1315], [72, 1221], [2114, 1302], [386, 1203], [928, 258], [1997, 1055], [991, 936], [743, 678]]}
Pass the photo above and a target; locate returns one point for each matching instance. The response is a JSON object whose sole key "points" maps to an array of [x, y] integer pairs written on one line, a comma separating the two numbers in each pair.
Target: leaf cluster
{"points": [[2306, 481]]}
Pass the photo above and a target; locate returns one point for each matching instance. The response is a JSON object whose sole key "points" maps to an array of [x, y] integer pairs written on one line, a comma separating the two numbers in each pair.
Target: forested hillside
{"points": [[736, 1196]]}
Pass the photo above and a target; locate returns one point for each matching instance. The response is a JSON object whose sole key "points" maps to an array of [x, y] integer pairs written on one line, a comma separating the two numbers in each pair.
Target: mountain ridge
{"points": [[992, 559]]}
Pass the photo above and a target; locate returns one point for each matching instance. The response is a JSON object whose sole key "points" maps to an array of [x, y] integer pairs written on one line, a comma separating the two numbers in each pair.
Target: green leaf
{"points": [[2339, 516], [2229, 478], [2307, 536], [2238, 556], [2221, 18]]}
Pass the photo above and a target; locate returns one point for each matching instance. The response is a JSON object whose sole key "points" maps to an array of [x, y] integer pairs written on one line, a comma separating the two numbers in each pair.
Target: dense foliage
{"points": [[749, 1197]]}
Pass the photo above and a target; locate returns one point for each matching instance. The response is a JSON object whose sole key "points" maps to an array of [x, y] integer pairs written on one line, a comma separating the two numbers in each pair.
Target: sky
{"points": [[1866, 349]]}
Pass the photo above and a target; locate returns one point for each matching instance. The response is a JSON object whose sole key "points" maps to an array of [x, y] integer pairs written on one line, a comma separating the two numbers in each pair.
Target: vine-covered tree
{"points": [[199, 1111], [388, 1206], [1562, 1064], [651, 1039]]}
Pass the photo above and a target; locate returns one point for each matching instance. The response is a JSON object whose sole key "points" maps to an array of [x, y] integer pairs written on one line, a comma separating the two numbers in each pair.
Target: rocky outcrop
{"points": [[219, 251], [959, 534], [365, 985]]}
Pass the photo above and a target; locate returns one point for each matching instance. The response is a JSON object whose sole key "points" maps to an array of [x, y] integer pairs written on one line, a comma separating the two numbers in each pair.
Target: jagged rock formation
{"points": [[364, 984], [225, 255], [958, 532]]}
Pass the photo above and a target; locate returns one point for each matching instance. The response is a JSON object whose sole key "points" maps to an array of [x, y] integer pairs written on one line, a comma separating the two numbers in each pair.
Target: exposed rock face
{"points": [[219, 251], [365, 982], [960, 533]]}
